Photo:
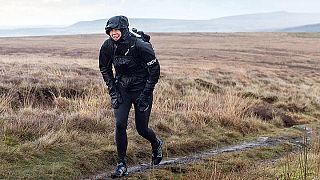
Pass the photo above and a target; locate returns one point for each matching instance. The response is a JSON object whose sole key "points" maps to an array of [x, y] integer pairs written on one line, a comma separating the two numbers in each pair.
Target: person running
{"points": [[137, 71]]}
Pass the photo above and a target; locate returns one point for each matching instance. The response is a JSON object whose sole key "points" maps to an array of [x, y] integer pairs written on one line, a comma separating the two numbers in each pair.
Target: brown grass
{"points": [[54, 106]]}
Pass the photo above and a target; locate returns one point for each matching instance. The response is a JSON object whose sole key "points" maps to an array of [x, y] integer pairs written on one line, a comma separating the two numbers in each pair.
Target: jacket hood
{"points": [[117, 22], [121, 23]]}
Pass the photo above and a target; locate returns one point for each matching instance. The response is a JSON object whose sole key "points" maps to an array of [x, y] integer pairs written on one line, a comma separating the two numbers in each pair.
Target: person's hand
{"points": [[116, 100], [143, 102]]}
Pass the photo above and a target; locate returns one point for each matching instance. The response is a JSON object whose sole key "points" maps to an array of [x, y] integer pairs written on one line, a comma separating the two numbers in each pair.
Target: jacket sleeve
{"points": [[148, 56], [105, 66]]}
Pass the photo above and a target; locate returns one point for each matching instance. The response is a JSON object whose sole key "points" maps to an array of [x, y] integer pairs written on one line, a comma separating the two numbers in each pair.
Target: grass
{"points": [[246, 164], [304, 164], [283, 161], [56, 120], [306, 35]]}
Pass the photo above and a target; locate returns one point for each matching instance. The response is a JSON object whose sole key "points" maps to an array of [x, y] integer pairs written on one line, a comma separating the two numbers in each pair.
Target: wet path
{"points": [[259, 142]]}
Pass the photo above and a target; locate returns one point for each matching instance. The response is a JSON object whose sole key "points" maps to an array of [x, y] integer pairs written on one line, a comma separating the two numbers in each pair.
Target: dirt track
{"points": [[262, 141]]}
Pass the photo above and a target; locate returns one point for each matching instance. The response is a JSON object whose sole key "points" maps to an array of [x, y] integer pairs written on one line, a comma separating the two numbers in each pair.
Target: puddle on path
{"points": [[259, 142]]}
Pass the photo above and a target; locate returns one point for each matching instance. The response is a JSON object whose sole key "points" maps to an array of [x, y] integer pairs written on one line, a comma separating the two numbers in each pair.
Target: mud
{"points": [[262, 141]]}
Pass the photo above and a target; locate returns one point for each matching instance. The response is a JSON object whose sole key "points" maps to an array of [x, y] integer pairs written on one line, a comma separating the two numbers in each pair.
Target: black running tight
{"points": [[141, 121]]}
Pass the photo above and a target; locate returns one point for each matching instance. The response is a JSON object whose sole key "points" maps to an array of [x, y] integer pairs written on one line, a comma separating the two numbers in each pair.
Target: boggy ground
{"points": [[215, 89]]}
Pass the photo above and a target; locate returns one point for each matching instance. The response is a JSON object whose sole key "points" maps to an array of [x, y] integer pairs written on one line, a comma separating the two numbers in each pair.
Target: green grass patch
{"points": [[242, 165]]}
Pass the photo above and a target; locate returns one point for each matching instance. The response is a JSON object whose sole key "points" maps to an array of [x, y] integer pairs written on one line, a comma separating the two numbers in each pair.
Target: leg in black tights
{"points": [[121, 115], [141, 121], [142, 125]]}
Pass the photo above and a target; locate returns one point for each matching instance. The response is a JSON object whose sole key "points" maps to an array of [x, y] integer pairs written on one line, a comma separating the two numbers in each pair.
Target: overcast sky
{"points": [[65, 12]]}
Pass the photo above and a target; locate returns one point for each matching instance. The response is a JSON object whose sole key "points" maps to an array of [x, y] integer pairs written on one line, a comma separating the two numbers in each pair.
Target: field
{"points": [[216, 89]]}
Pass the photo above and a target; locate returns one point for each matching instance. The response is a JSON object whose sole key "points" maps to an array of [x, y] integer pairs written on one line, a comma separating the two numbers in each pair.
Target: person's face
{"points": [[115, 34]]}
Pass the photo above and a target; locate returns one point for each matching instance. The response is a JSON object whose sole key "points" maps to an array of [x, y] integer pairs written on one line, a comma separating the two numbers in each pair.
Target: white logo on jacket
{"points": [[152, 62]]}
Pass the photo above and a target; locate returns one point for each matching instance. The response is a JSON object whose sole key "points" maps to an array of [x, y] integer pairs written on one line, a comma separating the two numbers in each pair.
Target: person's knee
{"points": [[120, 125], [142, 131]]}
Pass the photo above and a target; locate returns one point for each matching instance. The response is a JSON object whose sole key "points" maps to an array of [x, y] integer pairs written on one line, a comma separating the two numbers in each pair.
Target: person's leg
{"points": [[121, 115], [142, 122], [142, 125]]}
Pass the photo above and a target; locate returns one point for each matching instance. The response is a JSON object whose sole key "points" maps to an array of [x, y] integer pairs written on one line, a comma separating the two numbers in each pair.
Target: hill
{"points": [[262, 22], [306, 28]]}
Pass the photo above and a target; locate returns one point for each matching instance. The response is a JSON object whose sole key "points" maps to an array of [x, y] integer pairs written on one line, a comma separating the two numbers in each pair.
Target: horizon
{"points": [[37, 13], [66, 25]]}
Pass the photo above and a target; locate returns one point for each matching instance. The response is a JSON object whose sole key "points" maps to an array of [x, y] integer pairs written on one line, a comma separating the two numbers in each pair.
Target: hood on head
{"points": [[117, 22]]}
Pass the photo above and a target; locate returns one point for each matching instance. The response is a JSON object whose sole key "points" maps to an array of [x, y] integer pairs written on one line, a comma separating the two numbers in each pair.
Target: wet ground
{"points": [[262, 141]]}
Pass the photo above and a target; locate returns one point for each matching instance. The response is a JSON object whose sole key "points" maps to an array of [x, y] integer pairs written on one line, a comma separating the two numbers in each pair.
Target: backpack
{"points": [[141, 35]]}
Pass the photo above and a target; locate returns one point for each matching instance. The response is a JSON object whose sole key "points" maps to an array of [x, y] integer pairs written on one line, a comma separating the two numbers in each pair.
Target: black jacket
{"points": [[135, 64]]}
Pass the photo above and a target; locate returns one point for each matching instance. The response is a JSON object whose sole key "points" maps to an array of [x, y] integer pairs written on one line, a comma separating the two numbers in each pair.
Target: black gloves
{"points": [[116, 99], [143, 102]]}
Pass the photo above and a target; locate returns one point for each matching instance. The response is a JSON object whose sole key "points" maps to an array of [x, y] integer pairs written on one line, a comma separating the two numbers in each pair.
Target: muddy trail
{"points": [[261, 141]]}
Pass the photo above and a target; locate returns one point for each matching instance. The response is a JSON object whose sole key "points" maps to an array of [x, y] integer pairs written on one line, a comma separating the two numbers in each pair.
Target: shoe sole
{"points": [[123, 175]]}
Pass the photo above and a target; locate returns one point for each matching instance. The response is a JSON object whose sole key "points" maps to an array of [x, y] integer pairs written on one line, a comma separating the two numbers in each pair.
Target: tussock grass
{"points": [[237, 165], [304, 164], [204, 108], [57, 122], [280, 162], [87, 122], [5, 101]]}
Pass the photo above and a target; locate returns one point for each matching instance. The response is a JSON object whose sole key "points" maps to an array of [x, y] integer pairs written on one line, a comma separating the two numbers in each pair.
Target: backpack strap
{"points": [[134, 49]]}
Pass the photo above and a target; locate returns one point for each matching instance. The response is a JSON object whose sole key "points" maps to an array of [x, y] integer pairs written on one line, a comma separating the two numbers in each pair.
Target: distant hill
{"points": [[149, 25], [306, 28], [241, 23], [267, 21]]}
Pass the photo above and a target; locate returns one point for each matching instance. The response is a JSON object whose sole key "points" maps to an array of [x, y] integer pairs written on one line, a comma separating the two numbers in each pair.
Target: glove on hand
{"points": [[116, 100], [143, 102]]}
